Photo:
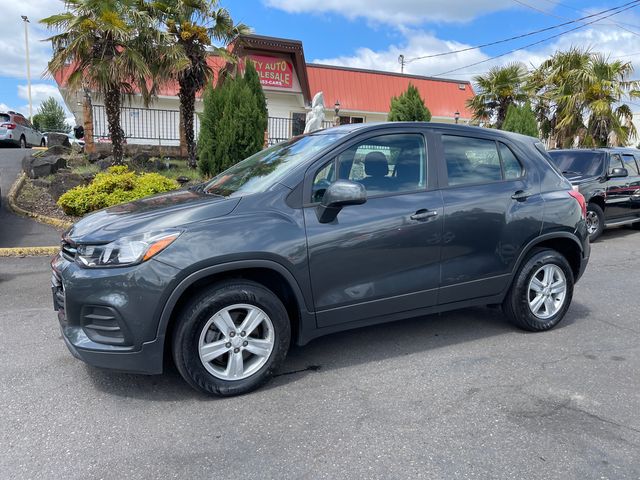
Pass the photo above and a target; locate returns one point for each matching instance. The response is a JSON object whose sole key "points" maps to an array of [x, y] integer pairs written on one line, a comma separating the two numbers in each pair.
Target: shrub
{"points": [[233, 123], [409, 107], [521, 119], [116, 185]]}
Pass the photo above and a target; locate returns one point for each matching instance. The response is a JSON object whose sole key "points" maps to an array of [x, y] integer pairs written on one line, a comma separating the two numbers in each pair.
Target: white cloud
{"points": [[12, 44], [606, 39], [397, 12], [40, 92]]}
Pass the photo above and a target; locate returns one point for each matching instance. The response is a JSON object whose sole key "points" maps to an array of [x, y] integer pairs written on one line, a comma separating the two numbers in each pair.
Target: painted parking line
{"points": [[28, 251]]}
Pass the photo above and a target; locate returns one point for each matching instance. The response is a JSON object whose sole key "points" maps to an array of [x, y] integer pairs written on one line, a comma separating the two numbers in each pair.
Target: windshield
{"points": [[578, 163], [266, 168]]}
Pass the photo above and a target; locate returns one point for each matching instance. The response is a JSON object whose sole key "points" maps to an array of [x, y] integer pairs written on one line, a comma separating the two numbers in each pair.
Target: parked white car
{"points": [[17, 130]]}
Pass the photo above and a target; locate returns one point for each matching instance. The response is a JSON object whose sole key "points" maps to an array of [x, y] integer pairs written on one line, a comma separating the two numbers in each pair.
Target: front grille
{"points": [[58, 296], [69, 250]]}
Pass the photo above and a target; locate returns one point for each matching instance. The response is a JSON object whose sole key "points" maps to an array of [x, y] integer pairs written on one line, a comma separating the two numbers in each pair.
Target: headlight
{"points": [[127, 250]]}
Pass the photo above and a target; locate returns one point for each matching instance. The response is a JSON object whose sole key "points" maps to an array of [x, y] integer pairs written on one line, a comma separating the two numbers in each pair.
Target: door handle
{"points": [[423, 214], [521, 195]]}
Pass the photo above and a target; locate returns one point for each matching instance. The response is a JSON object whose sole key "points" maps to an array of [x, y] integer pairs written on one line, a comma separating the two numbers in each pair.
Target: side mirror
{"points": [[340, 194], [618, 173]]}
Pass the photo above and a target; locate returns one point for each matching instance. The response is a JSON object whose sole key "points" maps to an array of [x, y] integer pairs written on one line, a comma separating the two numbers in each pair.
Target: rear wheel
{"points": [[541, 293], [23, 142], [595, 221], [231, 338], [43, 143]]}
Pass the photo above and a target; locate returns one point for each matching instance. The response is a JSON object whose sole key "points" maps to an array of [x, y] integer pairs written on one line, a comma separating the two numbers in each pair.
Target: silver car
{"points": [[15, 129]]}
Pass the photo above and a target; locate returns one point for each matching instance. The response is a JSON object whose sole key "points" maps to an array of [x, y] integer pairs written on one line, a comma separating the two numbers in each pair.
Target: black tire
{"points": [[595, 212], [43, 143], [636, 225], [516, 304], [23, 142], [199, 310]]}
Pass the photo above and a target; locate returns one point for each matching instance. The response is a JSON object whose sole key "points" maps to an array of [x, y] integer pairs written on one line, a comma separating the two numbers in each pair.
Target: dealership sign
{"points": [[273, 71]]}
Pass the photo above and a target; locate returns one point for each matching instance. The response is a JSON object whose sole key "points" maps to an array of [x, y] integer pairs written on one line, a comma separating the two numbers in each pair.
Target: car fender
{"points": [[177, 292]]}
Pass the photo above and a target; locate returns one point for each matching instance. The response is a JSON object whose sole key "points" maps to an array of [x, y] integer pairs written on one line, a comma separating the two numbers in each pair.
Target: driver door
{"points": [[382, 257]]}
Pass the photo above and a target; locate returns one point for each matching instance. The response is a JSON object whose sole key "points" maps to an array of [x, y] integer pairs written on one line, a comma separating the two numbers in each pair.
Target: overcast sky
{"points": [[364, 33]]}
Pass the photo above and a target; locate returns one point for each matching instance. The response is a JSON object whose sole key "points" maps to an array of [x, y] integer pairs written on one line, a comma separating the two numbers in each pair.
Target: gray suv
{"points": [[15, 129], [342, 228]]}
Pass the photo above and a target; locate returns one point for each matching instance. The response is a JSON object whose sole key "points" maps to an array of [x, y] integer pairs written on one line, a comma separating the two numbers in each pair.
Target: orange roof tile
{"points": [[370, 91]]}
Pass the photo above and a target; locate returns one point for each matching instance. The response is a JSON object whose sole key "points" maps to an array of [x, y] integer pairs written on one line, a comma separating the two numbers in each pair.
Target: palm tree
{"points": [[192, 25], [578, 96], [499, 88], [106, 45], [606, 84]]}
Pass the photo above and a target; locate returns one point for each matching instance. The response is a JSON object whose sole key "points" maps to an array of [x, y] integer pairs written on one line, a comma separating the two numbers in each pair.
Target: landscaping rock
{"points": [[42, 165], [65, 180], [105, 163], [56, 150], [58, 139], [140, 162], [182, 180], [93, 157]]}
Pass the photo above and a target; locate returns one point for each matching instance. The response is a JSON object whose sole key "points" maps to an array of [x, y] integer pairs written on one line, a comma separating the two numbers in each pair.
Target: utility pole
{"points": [[401, 62], [26, 43]]}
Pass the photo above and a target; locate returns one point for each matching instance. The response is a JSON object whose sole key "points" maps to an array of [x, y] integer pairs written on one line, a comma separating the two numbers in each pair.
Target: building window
{"points": [[345, 120], [299, 120]]}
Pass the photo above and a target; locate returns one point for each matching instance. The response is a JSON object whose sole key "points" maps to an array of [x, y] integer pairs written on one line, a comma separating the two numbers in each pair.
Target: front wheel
{"points": [[595, 221], [541, 293], [231, 338]]}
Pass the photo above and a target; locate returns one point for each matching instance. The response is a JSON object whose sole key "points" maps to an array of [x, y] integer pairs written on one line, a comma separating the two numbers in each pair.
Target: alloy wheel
{"points": [[547, 291], [593, 222], [236, 342]]}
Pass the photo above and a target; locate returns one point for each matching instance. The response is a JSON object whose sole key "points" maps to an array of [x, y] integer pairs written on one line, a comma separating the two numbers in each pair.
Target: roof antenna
{"points": [[401, 62]]}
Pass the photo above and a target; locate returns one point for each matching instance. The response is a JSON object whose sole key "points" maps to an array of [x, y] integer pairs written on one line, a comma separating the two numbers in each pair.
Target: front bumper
{"points": [[109, 317]]}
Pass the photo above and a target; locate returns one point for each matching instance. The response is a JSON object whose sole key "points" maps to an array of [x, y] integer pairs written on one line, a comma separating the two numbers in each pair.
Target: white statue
{"points": [[315, 117]]}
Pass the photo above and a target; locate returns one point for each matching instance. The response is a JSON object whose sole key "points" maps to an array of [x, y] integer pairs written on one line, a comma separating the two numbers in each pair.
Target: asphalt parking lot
{"points": [[457, 395], [17, 231]]}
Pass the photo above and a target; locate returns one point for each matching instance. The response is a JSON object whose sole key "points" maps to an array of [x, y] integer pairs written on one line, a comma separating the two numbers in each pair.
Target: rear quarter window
{"points": [[4, 118]]}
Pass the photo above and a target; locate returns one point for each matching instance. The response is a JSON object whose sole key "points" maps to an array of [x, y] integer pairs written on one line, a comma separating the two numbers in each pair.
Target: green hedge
{"points": [[116, 185]]}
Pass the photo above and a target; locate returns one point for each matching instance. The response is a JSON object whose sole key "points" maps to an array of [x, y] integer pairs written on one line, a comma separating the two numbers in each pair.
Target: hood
{"points": [[158, 212]]}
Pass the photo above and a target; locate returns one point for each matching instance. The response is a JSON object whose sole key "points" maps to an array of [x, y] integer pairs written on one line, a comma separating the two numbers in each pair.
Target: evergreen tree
{"points": [[233, 122], [50, 117], [409, 107], [521, 119]]}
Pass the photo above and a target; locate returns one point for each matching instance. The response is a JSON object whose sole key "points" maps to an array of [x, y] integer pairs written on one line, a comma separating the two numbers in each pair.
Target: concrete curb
{"points": [[13, 194], [28, 251]]}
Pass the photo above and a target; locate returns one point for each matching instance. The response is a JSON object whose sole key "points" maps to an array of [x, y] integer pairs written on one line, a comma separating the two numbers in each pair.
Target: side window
{"points": [[510, 165], [471, 160], [615, 162], [630, 164], [385, 164]]}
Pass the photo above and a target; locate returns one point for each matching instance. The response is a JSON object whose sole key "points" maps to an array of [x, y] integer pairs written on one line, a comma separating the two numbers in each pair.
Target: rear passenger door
{"points": [[492, 209]]}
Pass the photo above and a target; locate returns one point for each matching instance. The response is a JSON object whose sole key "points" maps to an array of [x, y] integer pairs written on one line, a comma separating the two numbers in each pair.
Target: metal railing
{"points": [[157, 126]]}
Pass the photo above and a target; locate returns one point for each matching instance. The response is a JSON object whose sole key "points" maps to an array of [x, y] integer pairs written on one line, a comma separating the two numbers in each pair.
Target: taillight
{"points": [[8, 126], [580, 199]]}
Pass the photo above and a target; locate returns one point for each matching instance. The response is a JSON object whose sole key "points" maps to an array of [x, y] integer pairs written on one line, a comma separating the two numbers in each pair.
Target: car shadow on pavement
{"points": [[617, 232], [339, 350]]}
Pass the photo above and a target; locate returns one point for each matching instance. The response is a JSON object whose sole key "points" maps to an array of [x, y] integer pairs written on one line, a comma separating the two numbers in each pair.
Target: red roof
{"points": [[359, 90], [371, 91]]}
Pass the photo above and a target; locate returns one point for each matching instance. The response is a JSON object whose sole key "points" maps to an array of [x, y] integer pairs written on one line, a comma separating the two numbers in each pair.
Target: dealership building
{"points": [[290, 83]]}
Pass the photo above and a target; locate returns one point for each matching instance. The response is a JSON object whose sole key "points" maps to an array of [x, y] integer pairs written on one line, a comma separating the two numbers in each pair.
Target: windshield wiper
{"points": [[570, 172]]}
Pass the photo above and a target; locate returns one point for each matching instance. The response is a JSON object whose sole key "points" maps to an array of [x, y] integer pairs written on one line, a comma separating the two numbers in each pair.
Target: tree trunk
{"points": [[112, 108], [87, 113], [187, 111]]}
